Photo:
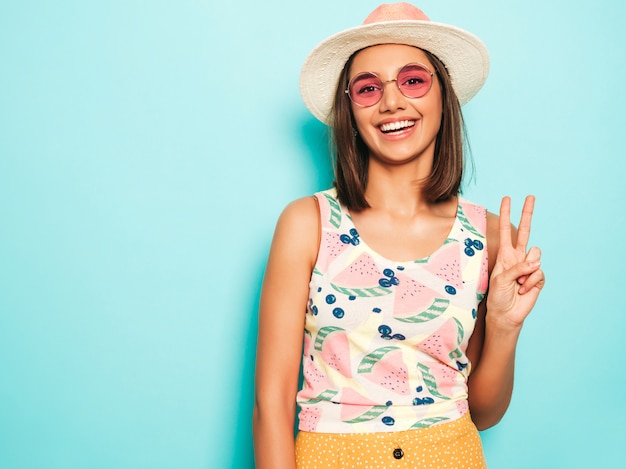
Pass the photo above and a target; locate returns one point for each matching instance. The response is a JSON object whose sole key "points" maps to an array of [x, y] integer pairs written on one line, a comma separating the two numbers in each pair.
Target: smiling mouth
{"points": [[396, 127]]}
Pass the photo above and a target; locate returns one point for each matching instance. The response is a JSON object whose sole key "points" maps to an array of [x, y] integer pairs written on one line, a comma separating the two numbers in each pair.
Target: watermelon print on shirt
{"points": [[385, 342]]}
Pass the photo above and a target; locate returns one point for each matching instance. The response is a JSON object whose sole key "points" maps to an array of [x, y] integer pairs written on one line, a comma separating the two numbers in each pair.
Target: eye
{"points": [[365, 84], [367, 89], [412, 81], [414, 76]]}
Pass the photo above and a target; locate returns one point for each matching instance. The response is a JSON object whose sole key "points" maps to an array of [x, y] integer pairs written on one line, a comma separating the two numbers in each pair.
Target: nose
{"points": [[392, 98]]}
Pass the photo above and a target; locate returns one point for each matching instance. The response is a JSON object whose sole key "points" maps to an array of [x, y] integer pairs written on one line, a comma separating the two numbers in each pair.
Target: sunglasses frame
{"points": [[420, 65]]}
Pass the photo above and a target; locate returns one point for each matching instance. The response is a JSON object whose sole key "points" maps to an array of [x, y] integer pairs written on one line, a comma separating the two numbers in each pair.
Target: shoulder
{"points": [[297, 232], [301, 212], [487, 223], [305, 213], [493, 231], [493, 238], [473, 214]]}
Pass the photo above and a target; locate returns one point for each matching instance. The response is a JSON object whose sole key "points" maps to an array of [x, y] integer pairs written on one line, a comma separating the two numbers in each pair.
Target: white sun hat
{"points": [[464, 55]]}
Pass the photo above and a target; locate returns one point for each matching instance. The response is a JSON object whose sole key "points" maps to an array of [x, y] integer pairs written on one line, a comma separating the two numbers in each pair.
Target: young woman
{"points": [[384, 278]]}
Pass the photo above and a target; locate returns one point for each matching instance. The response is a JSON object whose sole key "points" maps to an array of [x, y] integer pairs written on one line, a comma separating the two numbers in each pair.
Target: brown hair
{"points": [[351, 154]]}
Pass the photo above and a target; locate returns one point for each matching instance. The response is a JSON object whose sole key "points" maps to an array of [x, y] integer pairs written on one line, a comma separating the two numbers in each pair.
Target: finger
{"points": [[519, 270], [505, 222], [536, 280], [523, 230], [534, 254]]}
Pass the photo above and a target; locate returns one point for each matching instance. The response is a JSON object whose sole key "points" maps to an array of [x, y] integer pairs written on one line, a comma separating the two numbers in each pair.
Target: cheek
{"points": [[438, 114], [434, 109], [361, 118]]}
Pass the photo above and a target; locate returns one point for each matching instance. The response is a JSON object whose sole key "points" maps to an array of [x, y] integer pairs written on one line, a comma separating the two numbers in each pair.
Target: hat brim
{"points": [[464, 55]]}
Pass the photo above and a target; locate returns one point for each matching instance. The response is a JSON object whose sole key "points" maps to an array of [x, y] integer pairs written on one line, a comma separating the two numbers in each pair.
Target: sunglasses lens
{"points": [[366, 89], [414, 81]]}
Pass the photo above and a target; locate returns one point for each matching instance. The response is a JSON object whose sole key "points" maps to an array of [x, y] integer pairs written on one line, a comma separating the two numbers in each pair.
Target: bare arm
{"points": [[515, 283], [281, 326]]}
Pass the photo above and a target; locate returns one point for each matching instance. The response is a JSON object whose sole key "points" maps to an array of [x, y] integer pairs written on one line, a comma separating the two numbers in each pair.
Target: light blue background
{"points": [[146, 150]]}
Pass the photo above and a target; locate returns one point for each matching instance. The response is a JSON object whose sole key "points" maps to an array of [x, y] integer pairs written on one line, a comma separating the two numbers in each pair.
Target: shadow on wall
{"points": [[241, 455], [314, 140]]}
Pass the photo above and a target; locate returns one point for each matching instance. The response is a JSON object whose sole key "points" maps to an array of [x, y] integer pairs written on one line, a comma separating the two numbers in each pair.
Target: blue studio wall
{"points": [[146, 151]]}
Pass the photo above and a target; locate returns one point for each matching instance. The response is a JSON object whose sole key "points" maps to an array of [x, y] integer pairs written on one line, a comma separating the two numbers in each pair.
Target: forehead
{"points": [[387, 59]]}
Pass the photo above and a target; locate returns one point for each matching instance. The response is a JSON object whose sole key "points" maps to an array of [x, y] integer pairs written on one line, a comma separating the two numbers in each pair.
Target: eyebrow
{"points": [[412, 65], [364, 75]]}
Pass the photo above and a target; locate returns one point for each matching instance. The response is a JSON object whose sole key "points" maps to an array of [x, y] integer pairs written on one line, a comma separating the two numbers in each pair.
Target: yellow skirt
{"points": [[453, 445]]}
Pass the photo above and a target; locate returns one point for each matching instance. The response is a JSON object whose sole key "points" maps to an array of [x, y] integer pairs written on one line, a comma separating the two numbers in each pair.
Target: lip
{"points": [[395, 135]]}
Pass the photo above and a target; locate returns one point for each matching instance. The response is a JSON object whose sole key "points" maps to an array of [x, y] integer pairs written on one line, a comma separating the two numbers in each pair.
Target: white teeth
{"points": [[394, 126]]}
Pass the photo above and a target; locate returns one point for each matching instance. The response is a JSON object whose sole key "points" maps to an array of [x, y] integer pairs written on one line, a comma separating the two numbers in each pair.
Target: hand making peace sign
{"points": [[516, 279]]}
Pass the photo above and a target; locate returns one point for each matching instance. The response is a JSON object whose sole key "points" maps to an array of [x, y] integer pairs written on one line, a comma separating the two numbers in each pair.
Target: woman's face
{"points": [[397, 129]]}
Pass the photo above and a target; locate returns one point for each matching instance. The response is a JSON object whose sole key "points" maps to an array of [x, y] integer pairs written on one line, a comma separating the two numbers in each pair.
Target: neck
{"points": [[398, 188]]}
